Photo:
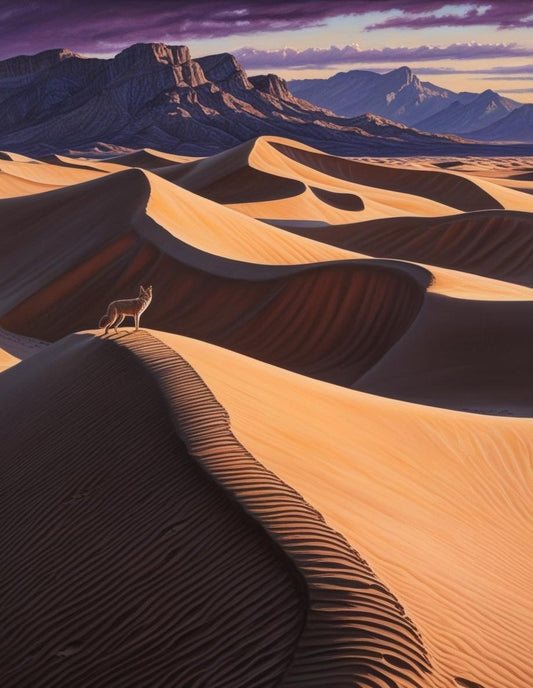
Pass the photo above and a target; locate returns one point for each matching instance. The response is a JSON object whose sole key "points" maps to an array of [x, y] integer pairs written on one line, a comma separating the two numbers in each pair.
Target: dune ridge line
{"points": [[355, 629], [122, 565]]}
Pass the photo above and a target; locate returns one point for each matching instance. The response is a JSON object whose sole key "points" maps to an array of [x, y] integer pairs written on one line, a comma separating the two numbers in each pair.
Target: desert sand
{"points": [[312, 466]]}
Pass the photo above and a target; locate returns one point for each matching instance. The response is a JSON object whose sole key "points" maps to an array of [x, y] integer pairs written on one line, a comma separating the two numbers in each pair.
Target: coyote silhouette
{"points": [[118, 310]]}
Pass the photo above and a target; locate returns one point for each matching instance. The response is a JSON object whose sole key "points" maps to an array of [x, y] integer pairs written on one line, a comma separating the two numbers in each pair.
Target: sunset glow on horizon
{"points": [[461, 46]]}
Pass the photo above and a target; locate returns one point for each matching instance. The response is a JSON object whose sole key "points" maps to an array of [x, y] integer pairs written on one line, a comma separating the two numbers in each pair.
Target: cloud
{"points": [[503, 15], [104, 26], [507, 78], [509, 69], [504, 72], [290, 58], [516, 90]]}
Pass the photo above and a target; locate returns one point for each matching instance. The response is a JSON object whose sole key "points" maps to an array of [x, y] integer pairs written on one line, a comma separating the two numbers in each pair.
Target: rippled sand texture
{"points": [[312, 467]]}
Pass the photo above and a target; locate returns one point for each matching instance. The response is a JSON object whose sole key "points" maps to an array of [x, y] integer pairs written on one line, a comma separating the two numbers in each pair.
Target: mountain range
{"points": [[154, 95], [400, 96], [462, 118], [516, 126]]}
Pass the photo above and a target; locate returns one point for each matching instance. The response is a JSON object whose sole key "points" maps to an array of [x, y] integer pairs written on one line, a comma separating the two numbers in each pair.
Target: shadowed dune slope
{"points": [[14, 347], [330, 321], [343, 201], [157, 209], [452, 190], [260, 181], [465, 355], [149, 159], [61, 268], [229, 177], [245, 183], [493, 243], [16, 157], [123, 565], [160, 552]]}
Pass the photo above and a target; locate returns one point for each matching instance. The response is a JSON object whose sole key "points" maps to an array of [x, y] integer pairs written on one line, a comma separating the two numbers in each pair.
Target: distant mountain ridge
{"points": [[463, 118], [156, 96], [400, 96], [516, 126]]}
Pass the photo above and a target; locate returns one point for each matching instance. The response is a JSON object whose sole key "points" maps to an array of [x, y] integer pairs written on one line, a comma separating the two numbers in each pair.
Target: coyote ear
{"points": [[142, 289]]}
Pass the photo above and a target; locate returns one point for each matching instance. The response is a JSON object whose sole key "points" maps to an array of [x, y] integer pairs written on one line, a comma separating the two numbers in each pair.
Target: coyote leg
{"points": [[112, 319], [137, 318], [120, 319]]}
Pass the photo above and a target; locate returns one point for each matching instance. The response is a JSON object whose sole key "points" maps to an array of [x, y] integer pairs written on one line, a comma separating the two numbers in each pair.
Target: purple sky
{"points": [[289, 57], [106, 25], [292, 35]]}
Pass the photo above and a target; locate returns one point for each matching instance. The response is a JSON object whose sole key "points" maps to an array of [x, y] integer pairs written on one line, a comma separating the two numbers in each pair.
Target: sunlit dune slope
{"points": [[145, 544], [229, 177], [66, 254], [453, 189], [260, 180], [25, 177], [7, 360], [329, 320], [497, 244], [15, 157], [161, 537], [439, 502], [14, 348]]}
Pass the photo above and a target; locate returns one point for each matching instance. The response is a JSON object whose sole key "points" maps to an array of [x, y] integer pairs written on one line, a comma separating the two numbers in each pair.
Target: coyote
{"points": [[118, 310]]}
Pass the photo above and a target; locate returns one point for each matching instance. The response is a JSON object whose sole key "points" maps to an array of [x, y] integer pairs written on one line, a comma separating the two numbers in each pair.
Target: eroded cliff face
{"points": [[155, 95]]}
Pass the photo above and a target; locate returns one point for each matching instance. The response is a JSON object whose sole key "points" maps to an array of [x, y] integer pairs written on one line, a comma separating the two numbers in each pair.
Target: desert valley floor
{"points": [[312, 466]]}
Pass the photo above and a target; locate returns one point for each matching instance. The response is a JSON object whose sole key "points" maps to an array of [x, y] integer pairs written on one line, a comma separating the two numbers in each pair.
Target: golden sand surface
{"points": [[334, 375]]}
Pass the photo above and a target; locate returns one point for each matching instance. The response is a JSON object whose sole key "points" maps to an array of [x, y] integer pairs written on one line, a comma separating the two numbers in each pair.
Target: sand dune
{"points": [[149, 159], [230, 178], [14, 348], [261, 179], [438, 502], [154, 527], [24, 177], [122, 540], [332, 321], [329, 320], [7, 360], [272, 596], [16, 157], [468, 355], [237, 177], [492, 243], [454, 191]]}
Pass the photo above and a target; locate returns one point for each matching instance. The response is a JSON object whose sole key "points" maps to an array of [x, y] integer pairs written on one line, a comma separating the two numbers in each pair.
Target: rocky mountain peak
{"points": [[273, 85], [31, 64], [224, 70], [154, 95], [173, 55], [489, 96], [402, 77]]}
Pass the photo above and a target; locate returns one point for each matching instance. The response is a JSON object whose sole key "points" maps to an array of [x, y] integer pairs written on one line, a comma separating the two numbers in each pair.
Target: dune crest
{"points": [[320, 615], [124, 564], [494, 244], [437, 501], [160, 489]]}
